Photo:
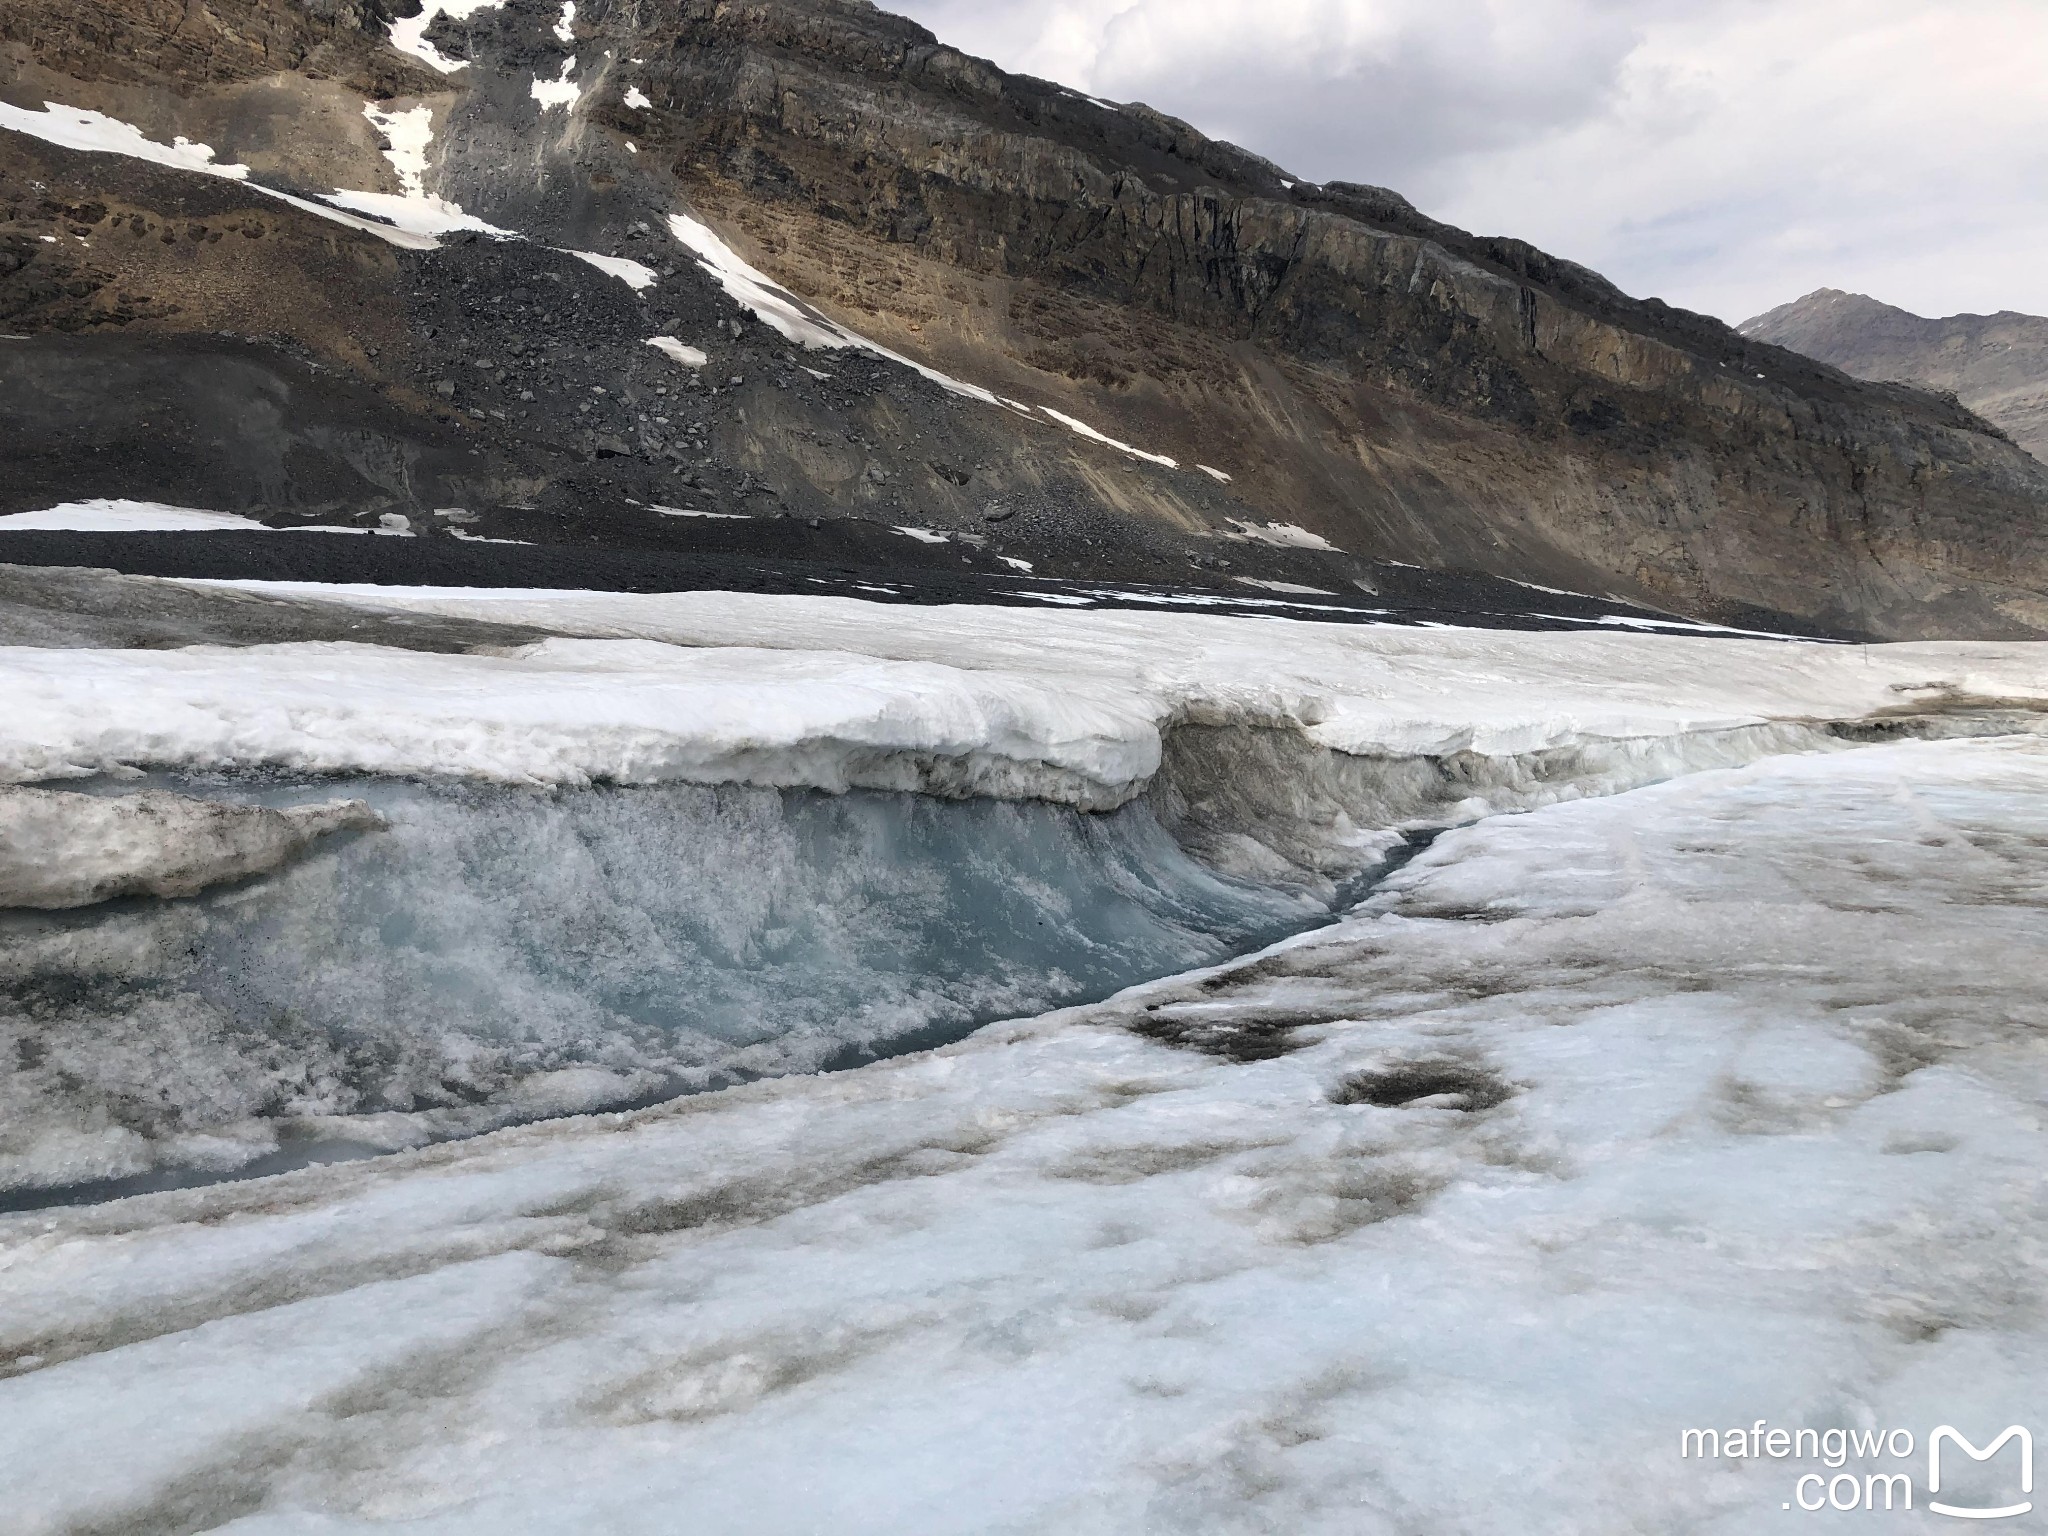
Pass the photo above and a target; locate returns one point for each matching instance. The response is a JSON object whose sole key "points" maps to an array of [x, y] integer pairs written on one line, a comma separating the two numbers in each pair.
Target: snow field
{"points": [[833, 692]]}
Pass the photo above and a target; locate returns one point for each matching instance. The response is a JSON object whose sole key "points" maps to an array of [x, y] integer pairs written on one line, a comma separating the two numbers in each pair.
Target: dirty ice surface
{"points": [[63, 849], [1710, 1102]]}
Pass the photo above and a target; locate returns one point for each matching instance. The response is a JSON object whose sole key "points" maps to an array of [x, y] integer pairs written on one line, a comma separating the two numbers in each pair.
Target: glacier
{"points": [[70, 850], [1710, 1101], [690, 840], [792, 1063], [493, 955]]}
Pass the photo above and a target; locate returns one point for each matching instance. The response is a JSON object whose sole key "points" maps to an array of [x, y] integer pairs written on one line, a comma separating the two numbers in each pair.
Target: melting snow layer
{"points": [[708, 684]]}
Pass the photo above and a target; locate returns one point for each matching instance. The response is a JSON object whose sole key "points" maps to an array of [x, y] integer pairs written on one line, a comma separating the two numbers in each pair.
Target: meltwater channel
{"points": [[500, 955]]}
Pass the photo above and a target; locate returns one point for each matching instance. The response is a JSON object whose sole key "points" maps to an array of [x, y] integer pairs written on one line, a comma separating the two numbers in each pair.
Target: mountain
{"points": [[1997, 365], [888, 284]]}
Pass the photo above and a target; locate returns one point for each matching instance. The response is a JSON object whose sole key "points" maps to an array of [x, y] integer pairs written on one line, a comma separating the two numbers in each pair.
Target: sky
{"points": [[1723, 155]]}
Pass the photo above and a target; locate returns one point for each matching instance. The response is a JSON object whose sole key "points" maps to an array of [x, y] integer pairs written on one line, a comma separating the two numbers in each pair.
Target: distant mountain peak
{"points": [[1997, 365]]}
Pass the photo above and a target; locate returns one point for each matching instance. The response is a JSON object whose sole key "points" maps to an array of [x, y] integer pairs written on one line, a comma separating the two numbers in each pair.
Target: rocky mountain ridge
{"points": [[1997, 365], [1143, 348]]}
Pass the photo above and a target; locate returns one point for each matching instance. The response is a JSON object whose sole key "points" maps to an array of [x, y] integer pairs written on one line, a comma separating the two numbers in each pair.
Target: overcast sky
{"points": [[1725, 155]]}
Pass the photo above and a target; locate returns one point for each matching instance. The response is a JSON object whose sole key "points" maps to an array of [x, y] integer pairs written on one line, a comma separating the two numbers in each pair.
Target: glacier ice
{"points": [[498, 955], [61, 849], [1736, 1115], [380, 998]]}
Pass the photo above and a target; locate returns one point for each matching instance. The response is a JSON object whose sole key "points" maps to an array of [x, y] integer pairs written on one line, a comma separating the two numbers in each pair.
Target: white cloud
{"points": [[1726, 155]]}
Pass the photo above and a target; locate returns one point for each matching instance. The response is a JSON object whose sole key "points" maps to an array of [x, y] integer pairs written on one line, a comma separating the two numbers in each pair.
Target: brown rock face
{"points": [[147, 42], [1405, 390], [1997, 365], [1395, 384]]}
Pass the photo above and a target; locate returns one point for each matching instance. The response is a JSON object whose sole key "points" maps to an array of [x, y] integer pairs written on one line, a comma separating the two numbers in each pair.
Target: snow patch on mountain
{"points": [[1280, 535], [79, 128], [409, 33], [1082, 427], [408, 136], [559, 92], [114, 515], [636, 275], [427, 217], [678, 351], [406, 225], [795, 319]]}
